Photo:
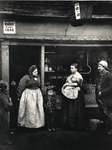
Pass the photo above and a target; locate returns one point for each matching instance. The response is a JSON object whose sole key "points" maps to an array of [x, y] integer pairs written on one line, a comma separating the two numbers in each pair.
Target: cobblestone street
{"points": [[59, 140]]}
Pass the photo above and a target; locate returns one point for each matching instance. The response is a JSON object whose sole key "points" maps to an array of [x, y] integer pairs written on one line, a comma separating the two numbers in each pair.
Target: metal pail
{"points": [[94, 124]]}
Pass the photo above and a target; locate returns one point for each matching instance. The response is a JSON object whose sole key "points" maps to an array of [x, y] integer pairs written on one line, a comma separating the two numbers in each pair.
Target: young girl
{"points": [[49, 104], [5, 105]]}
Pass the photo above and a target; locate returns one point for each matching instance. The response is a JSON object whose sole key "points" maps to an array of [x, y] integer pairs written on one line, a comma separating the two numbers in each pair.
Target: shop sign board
{"points": [[77, 11], [9, 27]]}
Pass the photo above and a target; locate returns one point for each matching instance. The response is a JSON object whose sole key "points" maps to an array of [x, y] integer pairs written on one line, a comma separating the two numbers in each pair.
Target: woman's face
{"points": [[73, 69], [35, 73]]}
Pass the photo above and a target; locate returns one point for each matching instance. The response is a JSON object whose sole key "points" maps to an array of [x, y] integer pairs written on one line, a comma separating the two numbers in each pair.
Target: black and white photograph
{"points": [[55, 75]]}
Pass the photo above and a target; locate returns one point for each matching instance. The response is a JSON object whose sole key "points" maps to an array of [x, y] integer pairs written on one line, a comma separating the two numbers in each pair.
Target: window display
{"points": [[59, 58]]}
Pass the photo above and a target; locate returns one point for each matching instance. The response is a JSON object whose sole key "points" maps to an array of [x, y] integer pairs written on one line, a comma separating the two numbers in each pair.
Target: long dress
{"points": [[31, 110], [73, 111]]}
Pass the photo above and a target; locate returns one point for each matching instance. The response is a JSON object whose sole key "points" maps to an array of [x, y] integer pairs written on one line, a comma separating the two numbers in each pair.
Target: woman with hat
{"points": [[104, 94], [31, 110]]}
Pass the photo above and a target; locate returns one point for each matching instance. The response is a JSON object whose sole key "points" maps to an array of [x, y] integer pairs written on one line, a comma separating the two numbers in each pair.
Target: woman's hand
{"points": [[99, 94], [72, 84], [18, 99], [66, 84]]}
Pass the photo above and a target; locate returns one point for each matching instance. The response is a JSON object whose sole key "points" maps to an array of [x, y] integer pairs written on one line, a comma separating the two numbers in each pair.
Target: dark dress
{"points": [[73, 110]]}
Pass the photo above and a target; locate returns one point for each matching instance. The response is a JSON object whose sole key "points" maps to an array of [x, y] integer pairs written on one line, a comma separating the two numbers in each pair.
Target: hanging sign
{"points": [[9, 27], [77, 11]]}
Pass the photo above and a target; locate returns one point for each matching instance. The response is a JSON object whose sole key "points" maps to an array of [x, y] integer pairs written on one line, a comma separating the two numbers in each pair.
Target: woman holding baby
{"points": [[73, 106]]}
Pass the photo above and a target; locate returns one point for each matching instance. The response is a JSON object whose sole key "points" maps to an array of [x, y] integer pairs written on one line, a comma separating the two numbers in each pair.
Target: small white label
{"points": [[9, 27]]}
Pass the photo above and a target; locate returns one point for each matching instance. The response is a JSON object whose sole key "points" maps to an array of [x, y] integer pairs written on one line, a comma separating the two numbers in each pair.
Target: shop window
{"points": [[57, 66], [58, 61]]}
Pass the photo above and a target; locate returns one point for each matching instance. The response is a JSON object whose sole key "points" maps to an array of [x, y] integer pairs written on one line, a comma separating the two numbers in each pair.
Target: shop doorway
{"points": [[20, 59]]}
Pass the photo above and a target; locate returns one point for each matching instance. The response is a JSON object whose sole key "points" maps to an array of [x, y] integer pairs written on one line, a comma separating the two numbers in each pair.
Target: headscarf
{"points": [[3, 85], [31, 69]]}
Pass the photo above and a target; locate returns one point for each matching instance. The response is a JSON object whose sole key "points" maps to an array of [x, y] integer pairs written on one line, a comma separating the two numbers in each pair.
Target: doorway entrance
{"points": [[20, 59]]}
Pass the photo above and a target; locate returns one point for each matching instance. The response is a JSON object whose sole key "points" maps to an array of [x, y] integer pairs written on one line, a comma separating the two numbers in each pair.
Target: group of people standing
{"points": [[37, 110], [33, 104]]}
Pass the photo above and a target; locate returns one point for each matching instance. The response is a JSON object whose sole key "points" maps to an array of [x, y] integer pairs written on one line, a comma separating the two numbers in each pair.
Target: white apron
{"points": [[31, 111]]}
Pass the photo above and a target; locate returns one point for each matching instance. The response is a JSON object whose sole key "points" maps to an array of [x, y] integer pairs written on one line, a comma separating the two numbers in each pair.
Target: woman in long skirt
{"points": [[73, 106], [31, 110]]}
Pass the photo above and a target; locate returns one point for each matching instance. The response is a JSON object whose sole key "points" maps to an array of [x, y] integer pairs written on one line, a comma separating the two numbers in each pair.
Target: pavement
{"points": [[61, 139]]}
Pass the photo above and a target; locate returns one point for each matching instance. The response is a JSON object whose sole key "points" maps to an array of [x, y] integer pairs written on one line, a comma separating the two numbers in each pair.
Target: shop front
{"points": [[53, 45], [53, 61], [53, 52]]}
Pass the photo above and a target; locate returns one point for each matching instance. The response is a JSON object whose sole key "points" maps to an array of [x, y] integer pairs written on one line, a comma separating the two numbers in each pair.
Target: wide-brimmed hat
{"points": [[104, 64]]}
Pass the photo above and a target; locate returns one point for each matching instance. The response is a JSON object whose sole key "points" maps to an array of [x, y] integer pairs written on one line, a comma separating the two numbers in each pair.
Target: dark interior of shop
{"points": [[57, 62], [21, 58], [57, 65]]}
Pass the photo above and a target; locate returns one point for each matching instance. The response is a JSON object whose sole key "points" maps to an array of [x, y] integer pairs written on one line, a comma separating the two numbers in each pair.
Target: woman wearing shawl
{"points": [[31, 111], [73, 106], [5, 105]]}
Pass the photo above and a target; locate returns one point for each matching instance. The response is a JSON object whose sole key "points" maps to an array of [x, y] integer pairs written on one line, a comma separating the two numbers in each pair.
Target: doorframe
{"points": [[5, 59]]}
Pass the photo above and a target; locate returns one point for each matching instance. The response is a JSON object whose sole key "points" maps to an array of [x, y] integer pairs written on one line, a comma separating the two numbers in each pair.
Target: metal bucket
{"points": [[95, 124], [90, 89]]}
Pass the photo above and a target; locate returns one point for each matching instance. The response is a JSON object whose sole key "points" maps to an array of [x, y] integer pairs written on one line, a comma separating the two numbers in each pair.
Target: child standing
{"points": [[49, 103], [5, 105]]}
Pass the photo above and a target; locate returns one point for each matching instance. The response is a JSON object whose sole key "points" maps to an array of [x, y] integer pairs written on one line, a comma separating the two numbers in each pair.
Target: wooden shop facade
{"points": [[49, 35]]}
